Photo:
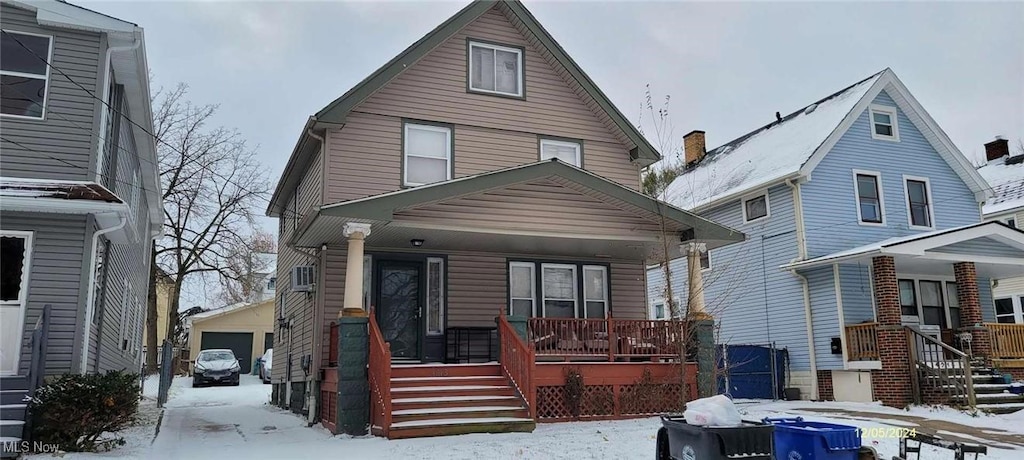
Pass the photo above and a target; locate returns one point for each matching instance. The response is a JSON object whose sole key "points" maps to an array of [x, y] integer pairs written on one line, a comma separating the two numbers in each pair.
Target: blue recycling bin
{"points": [[796, 439]]}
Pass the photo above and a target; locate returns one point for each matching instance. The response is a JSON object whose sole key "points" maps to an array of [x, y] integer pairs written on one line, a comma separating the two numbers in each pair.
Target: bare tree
{"points": [[212, 189], [247, 265]]}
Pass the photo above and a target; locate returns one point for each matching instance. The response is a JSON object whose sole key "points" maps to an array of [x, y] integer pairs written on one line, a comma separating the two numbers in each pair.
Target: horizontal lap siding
{"points": [[982, 247], [477, 289], [333, 286], [830, 206], [754, 302], [65, 136], [535, 206], [629, 300], [855, 284], [490, 132], [825, 316], [59, 249]]}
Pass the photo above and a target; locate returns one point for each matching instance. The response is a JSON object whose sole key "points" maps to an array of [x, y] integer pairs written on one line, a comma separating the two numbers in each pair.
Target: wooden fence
{"points": [[861, 342]]}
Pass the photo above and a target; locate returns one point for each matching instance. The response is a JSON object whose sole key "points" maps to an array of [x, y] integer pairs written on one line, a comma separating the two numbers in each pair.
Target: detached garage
{"points": [[245, 329]]}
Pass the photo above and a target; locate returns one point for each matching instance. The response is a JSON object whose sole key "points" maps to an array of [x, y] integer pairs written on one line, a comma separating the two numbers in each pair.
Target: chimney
{"points": [[693, 147], [993, 150]]}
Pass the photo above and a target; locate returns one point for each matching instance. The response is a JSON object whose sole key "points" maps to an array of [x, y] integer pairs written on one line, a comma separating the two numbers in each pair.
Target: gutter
{"points": [[801, 239], [106, 101], [91, 292], [787, 179]]}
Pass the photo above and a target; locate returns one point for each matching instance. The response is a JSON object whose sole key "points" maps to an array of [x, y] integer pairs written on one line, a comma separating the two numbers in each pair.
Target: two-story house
{"points": [[1004, 171], [479, 173], [79, 194], [861, 218]]}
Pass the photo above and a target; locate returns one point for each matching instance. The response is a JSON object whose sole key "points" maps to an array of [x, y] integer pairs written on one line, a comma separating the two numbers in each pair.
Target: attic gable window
{"points": [[24, 73], [495, 69], [755, 208], [883, 123], [566, 151]]}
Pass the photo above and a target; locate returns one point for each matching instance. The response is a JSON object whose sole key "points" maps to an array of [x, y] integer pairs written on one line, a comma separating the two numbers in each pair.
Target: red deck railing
{"points": [[517, 363], [606, 339], [380, 380]]}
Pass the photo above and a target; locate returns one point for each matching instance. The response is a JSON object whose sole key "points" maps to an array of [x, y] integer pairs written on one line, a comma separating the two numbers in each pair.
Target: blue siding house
{"points": [[863, 228]]}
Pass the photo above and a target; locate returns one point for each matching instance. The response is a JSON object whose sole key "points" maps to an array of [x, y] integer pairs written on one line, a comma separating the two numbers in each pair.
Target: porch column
{"points": [[970, 308], [356, 234], [891, 384], [695, 292]]}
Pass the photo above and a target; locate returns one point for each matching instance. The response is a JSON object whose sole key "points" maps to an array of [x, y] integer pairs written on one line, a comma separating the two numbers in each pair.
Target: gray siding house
{"points": [[853, 195], [79, 193]]}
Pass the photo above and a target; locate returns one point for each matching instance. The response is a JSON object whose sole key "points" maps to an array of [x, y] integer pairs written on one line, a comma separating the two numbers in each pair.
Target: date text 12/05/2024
{"points": [[887, 432]]}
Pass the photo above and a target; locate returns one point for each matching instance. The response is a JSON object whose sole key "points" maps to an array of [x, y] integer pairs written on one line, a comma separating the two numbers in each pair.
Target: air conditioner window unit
{"points": [[302, 278]]}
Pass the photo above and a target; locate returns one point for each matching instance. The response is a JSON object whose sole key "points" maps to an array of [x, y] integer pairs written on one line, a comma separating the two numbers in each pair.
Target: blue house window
{"points": [[919, 199], [883, 123], [869, 197]]}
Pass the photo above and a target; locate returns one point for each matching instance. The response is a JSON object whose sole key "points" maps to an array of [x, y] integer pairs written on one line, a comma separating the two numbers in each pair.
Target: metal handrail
{"points": [[949, 377]]}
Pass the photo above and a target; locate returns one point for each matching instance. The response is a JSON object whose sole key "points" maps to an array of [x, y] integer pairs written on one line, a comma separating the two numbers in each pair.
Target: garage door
{"points": [[238, 342]]}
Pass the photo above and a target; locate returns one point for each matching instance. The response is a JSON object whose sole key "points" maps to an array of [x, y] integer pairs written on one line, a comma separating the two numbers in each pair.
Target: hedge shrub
{"points": [[73, 411]]}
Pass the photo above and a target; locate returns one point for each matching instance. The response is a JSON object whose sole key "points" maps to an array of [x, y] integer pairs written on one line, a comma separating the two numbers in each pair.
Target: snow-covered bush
{"points": [[74, 411]]}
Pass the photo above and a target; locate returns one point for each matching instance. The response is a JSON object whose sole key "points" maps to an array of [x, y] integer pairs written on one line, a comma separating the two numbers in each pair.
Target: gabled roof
{"points": [[382, 207], [336, 112], [233, 308], [1006, 176], [793, 147]]}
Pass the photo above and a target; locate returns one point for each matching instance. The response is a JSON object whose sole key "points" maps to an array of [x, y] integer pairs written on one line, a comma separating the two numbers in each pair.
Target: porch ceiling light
{"points": [[416, 242]]}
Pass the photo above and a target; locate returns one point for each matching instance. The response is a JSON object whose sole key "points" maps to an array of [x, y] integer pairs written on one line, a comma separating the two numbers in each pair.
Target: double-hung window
{"points": [[24, 74], [919, 202], [522, 289], [595, 291], [566, 151], [908, 298], [883, 123], [495, 69], [558, 290], [869, 197], [1010, 310], [755, 207], [428, 154]]}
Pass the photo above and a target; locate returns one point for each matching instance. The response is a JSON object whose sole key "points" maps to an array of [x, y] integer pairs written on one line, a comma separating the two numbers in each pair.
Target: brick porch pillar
{"points": [[891, 384], [970, 308]]}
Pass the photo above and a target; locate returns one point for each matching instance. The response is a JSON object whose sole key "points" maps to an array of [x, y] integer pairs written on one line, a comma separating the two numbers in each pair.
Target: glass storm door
{"points": [[398, 308], [14, 264]]}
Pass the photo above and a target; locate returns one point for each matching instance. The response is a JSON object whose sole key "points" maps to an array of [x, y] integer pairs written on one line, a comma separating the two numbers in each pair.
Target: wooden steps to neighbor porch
{"points": [[439, 400]]}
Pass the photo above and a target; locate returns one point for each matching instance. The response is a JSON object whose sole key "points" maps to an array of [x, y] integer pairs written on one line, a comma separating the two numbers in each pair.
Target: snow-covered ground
{"points": [[238, 422]]}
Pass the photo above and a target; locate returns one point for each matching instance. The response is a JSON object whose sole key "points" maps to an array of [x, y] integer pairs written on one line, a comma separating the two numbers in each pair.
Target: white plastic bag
{"points": [[717, 410]]}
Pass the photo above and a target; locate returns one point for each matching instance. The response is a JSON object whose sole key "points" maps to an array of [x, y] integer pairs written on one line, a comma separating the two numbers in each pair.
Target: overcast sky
{"points": [[728, 66]]}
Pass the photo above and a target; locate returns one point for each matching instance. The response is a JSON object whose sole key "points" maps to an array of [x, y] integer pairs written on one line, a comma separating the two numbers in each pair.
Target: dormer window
{"points": [[495, 69], [883, 123]]}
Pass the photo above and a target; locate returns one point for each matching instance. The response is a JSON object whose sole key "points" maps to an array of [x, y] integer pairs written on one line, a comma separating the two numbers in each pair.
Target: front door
{"points": [[15, 248], [398, 306]]}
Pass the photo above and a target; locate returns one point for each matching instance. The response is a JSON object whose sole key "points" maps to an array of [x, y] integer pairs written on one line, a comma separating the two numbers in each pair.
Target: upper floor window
{"points": [[1010, 222], [755, 207], [883, 123], [919, 199], [567, 151], [705, 260], [24, 73], [495, 69], [869, 197], [428, 154], [272, 283]]}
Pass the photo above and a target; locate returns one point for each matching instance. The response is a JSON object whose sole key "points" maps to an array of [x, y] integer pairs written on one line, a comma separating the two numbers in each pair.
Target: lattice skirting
{"points": [[608, 401]]}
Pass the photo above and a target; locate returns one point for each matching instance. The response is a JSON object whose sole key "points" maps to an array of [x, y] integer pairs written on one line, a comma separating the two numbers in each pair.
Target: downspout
{"points": [[801, 244], [318, 317], [106, 102], [91, 293]]}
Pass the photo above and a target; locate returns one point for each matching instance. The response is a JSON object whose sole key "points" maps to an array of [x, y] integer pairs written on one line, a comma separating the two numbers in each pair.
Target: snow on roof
{"points": [[1006, 176], [767, 154]]}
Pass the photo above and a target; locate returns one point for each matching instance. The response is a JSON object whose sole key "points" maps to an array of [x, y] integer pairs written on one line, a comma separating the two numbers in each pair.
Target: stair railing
{"points": [[936, 366], [37, 367], [517, 363], [380, 379]]}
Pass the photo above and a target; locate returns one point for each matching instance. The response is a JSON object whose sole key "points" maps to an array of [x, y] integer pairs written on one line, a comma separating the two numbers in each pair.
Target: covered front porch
{"points": [[917, 311], [543, 263]]}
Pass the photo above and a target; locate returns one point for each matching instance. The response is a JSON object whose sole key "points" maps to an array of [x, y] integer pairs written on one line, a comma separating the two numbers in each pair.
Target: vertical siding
{"points": [[65, 134], [753, 302], [855, 282], [490, 132], [830, 211], [55, 278], [824, 316]]}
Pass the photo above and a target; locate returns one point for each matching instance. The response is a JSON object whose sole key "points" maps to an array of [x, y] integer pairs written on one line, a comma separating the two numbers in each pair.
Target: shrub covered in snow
{"points": [[74, 411]]}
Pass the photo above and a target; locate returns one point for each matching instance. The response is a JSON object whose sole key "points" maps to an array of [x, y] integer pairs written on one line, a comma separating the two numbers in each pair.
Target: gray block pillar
{"points": [[704, 337], [353, 384]]}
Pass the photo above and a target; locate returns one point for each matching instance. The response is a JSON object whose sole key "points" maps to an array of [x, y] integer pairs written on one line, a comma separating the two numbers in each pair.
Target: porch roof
{"points": [[997, 251], [414, 213]]}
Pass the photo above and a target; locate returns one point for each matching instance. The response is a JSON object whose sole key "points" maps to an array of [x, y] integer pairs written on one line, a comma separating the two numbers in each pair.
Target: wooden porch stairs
{"points": [[440, 400]]}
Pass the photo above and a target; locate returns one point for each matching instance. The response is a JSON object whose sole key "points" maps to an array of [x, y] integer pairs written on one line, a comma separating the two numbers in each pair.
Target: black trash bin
{"points": [[678, 440]]}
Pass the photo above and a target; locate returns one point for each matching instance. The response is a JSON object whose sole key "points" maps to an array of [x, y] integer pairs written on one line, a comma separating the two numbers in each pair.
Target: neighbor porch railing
{"points": [[380, 380], [1007, 340], [939, 369], [861, 342], [517, 363], [605, 339]]}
